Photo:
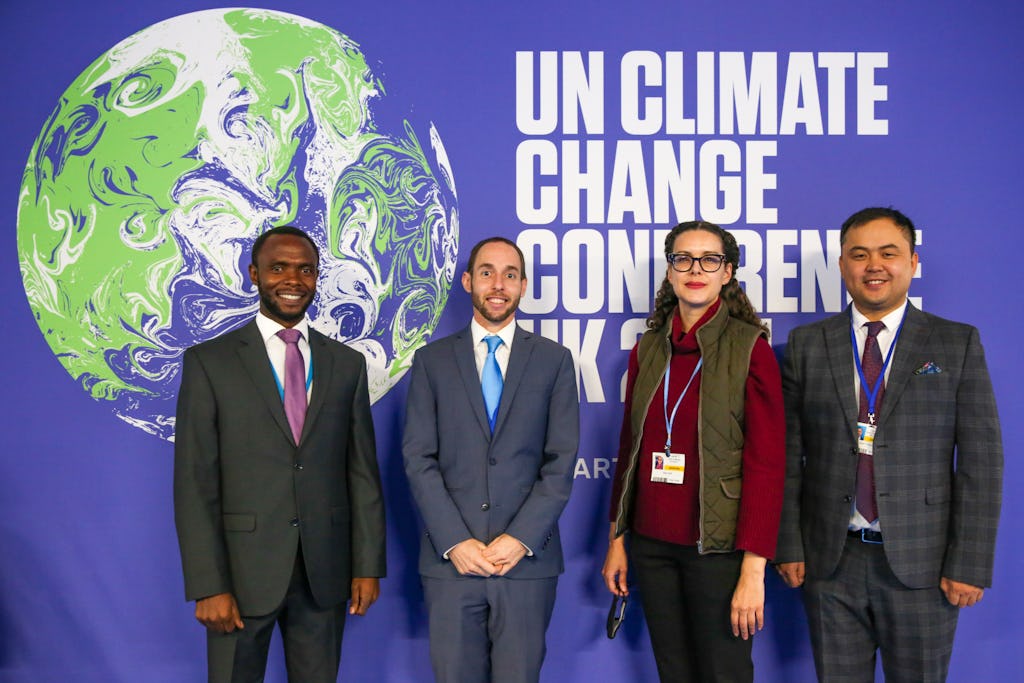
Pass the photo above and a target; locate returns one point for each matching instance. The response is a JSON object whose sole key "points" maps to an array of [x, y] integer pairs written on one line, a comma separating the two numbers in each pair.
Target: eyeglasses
{"points": [[683, 263], [616, 615]]}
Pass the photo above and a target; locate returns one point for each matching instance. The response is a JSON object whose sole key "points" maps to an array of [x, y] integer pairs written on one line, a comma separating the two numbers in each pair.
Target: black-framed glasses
{"points": [[616, 615], [683, 263]]}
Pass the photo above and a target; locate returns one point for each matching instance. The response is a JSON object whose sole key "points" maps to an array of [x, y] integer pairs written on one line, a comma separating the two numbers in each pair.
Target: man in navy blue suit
{"points": [[490, 442]]}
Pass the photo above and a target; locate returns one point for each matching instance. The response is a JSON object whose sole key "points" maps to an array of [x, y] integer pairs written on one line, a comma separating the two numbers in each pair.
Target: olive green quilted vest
{"points": [[725, 345]]}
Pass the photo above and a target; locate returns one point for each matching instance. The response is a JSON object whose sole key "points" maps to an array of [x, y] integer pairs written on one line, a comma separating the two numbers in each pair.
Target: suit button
{"points": [[485, 507], [494, 461], [298, 465], [847, 499], [294, 522]]}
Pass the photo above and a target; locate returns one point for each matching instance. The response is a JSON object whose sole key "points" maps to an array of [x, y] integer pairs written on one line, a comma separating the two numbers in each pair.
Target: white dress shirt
{"points": [[501, 354], [276, 346], [885, 339]]}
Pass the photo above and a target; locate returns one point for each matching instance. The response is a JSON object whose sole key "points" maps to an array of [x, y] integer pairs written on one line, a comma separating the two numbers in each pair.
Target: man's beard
{"points": [[268, 302], [480, 304]]}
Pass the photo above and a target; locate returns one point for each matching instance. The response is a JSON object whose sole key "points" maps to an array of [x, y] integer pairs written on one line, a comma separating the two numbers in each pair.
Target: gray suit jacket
{"points": [[470, 484], [938, 453], [244, 493]]}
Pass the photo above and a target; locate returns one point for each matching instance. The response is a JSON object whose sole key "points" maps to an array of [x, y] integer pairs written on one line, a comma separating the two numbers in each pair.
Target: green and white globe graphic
{"points": [[167, 157]]}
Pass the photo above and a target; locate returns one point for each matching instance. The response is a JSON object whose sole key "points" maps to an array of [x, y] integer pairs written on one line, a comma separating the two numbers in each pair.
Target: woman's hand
{"points": [[747, 613], [615, 567]]}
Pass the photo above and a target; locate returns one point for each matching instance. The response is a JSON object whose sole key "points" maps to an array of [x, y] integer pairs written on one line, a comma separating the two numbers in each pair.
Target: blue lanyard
{"points": [[309, 376], [670, 420], [872, 392]]}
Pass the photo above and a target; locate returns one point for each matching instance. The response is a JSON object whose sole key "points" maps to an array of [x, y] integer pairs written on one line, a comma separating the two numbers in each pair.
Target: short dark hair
{"points": [[282, 230], [874, 213], [489, 240]]}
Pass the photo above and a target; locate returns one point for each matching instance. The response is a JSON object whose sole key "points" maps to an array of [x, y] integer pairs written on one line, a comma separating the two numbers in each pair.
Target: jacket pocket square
{"points": [[928, 368]]}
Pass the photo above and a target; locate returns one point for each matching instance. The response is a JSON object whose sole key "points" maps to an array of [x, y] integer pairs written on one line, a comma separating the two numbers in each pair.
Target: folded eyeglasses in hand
{"points": [[616, 614]]}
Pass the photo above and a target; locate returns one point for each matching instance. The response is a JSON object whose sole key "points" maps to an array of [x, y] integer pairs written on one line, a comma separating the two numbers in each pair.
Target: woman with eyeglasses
{"points": [[698, 483]]}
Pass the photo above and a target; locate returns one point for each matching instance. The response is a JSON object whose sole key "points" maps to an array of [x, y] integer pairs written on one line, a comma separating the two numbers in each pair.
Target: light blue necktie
{"points": [[491, 380]]}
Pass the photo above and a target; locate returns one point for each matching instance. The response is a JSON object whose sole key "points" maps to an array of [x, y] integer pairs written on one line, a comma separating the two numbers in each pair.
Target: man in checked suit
{"points": [[490, 477], [277, 502], [890, 512]]}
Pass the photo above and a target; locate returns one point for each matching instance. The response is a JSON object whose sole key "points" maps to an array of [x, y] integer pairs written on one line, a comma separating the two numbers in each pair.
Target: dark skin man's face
{"points": [[285, 276]]}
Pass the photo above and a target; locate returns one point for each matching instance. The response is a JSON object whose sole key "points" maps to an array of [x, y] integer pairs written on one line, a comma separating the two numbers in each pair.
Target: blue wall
{"points": [[90, 585]]}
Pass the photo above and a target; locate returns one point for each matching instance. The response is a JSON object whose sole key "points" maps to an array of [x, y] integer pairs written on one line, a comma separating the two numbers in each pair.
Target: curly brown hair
{"points": [[732, 295]]}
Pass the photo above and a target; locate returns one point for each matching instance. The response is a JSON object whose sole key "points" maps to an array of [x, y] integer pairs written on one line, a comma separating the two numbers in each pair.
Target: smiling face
{"points": [[496, 283], [696, 289], [877, 264], [285, 276]]}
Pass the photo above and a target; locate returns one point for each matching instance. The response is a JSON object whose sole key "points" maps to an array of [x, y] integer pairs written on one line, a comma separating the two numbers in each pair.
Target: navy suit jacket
{"points": [[938, 455], [468, 483], [245, 493]]}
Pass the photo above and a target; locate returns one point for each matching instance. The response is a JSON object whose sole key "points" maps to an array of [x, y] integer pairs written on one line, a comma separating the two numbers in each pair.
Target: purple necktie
{"points": [[294, 381], [871, 363]]}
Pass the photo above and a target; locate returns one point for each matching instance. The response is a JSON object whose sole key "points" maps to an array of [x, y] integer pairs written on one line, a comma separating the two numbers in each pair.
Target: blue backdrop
{"points": [[912, 104]]}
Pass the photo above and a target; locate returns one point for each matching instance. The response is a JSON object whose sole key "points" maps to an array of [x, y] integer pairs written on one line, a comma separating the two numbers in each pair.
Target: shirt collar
{"points": [[507, 333], [269, 328], [891, 320]]}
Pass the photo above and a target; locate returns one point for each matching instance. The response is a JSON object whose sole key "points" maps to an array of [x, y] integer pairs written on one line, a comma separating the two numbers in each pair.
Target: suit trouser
{"points": [[488, 630], [863, 607], [311, 636], [687, 601]]}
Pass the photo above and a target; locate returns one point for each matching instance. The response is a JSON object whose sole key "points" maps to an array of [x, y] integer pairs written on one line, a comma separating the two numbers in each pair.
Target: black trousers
{"points": [[311, 635], [687, 599]]}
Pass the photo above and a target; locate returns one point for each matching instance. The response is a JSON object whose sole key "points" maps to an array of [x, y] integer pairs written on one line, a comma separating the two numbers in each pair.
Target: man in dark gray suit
{"points": [[490, 477], [277, 494], [890, 512]]}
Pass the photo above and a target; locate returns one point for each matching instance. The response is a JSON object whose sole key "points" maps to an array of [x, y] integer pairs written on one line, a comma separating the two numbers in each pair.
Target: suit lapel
{"points": [[840, 361], [914, 336], [522, 347], [253, 353], [465, 360], [323, 366]]}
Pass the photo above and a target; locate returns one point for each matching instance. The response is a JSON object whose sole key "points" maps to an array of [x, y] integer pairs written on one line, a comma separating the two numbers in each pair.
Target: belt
{"points": [[866, 535]]}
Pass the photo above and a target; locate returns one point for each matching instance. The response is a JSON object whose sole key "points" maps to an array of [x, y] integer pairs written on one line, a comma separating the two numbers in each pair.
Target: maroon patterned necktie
{"points": [[871, 363], [294, 381]]}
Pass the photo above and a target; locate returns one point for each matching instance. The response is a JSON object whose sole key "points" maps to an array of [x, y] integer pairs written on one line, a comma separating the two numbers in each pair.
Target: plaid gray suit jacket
{"points": [[938, 452]]}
